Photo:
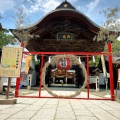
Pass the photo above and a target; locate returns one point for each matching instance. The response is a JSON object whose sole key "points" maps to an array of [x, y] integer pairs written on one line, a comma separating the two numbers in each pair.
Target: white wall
{"points": [[101, 79]]}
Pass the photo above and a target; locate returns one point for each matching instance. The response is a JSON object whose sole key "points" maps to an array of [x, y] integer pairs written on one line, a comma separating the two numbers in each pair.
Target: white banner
{"points": [[103, 66]]}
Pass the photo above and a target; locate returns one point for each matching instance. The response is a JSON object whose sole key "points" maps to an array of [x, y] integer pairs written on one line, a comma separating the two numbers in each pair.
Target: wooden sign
{"points": [[11, 61]]}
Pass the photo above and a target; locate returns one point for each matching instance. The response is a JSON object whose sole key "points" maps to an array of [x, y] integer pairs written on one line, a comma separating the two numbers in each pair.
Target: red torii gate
{"points": [[109, 54]]}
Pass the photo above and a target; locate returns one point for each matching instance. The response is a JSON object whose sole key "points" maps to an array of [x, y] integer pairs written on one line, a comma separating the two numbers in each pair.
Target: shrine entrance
{"points": [[74, 58], [62, 67], [65, 34]]}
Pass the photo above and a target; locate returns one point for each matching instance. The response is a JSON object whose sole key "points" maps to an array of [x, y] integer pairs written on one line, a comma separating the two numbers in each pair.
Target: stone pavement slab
{"points": [[60, 109]]}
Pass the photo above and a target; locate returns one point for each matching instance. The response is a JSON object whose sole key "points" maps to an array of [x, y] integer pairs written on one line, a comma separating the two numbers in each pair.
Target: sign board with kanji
{"points": [[11, 61]]}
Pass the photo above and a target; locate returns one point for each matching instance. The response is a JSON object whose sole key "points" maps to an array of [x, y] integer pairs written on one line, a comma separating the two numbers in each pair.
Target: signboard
{"points": [[65, 36], [11, 61]]}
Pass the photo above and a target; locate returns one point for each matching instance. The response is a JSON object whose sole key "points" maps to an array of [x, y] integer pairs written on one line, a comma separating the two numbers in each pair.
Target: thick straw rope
{"points": [[54, 61]]}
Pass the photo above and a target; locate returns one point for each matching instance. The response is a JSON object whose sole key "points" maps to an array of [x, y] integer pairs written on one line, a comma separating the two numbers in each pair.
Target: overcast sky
{"points": [[36, 9]]}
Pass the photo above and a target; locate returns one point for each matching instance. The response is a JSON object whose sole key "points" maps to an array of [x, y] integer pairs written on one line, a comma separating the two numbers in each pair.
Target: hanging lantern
{"points": [[64, 63]]}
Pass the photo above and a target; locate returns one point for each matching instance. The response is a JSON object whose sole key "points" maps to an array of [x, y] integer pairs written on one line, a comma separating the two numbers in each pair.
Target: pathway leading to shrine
{"points": [[60, 109]]}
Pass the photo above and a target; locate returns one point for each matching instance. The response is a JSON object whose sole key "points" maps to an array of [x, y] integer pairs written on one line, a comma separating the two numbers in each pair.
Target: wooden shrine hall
{"points": [[62, 30], [65, 30]]}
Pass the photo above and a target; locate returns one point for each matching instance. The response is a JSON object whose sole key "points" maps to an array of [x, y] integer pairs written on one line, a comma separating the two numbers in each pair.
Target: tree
{"points": [[21, 21], [23, 35], [110, 29], [94, 63], [6, 38]]}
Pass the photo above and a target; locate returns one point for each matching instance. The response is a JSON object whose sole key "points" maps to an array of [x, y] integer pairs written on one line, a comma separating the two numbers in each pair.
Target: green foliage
{"points": [[115, 47], [94, 64], [36, 62], [112, 28], [6, 38]]}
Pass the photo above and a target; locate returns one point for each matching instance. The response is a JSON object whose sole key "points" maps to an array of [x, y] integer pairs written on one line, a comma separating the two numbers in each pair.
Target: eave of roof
{"points": [[62, 10]]}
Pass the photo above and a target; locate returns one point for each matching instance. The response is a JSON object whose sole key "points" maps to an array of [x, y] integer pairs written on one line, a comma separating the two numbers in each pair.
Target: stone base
{"points": [[29, 87], [8, 101]]}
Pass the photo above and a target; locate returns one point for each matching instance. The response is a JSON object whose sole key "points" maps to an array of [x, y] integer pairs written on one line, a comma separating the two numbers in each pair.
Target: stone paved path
{"points": [[60, 109]]}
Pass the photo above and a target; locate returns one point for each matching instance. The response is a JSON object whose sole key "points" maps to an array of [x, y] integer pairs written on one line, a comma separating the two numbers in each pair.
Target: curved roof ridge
{"points": [[56, 10], [88, 18]]}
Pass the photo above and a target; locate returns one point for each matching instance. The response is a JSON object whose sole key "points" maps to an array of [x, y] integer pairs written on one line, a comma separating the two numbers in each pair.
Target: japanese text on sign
{"points": [[11, 61]]}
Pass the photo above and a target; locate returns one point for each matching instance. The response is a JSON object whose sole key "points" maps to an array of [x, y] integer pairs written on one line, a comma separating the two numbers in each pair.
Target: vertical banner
{"points": [[25, 66], [11, 61], [23, 74], [103, 66], [105, 71]]}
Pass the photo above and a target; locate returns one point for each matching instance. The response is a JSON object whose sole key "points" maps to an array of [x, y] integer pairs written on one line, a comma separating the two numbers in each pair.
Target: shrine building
{"points": [[64, 29]]}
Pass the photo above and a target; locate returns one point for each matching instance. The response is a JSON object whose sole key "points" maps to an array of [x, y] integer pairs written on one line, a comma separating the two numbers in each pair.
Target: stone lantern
{"points": [[97, 73]]}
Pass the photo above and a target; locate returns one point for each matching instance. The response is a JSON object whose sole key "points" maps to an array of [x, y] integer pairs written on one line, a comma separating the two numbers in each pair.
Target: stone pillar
{"points": [[29, 81], [54, 80], [97, 83], [66, 80], [119, 78]]}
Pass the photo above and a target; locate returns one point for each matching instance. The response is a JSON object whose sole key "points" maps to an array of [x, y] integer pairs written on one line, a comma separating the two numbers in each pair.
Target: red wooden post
{"points": [[111, 71], [42, 62], [18, 79], [88, 78], [17, 87]]}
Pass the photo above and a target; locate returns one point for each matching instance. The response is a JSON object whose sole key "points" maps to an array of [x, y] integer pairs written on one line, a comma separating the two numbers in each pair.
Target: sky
{"points": [[36, 9]]}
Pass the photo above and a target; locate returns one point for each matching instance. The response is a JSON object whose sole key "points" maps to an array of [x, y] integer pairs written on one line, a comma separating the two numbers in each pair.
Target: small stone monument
{"points": [[97, 73]]}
